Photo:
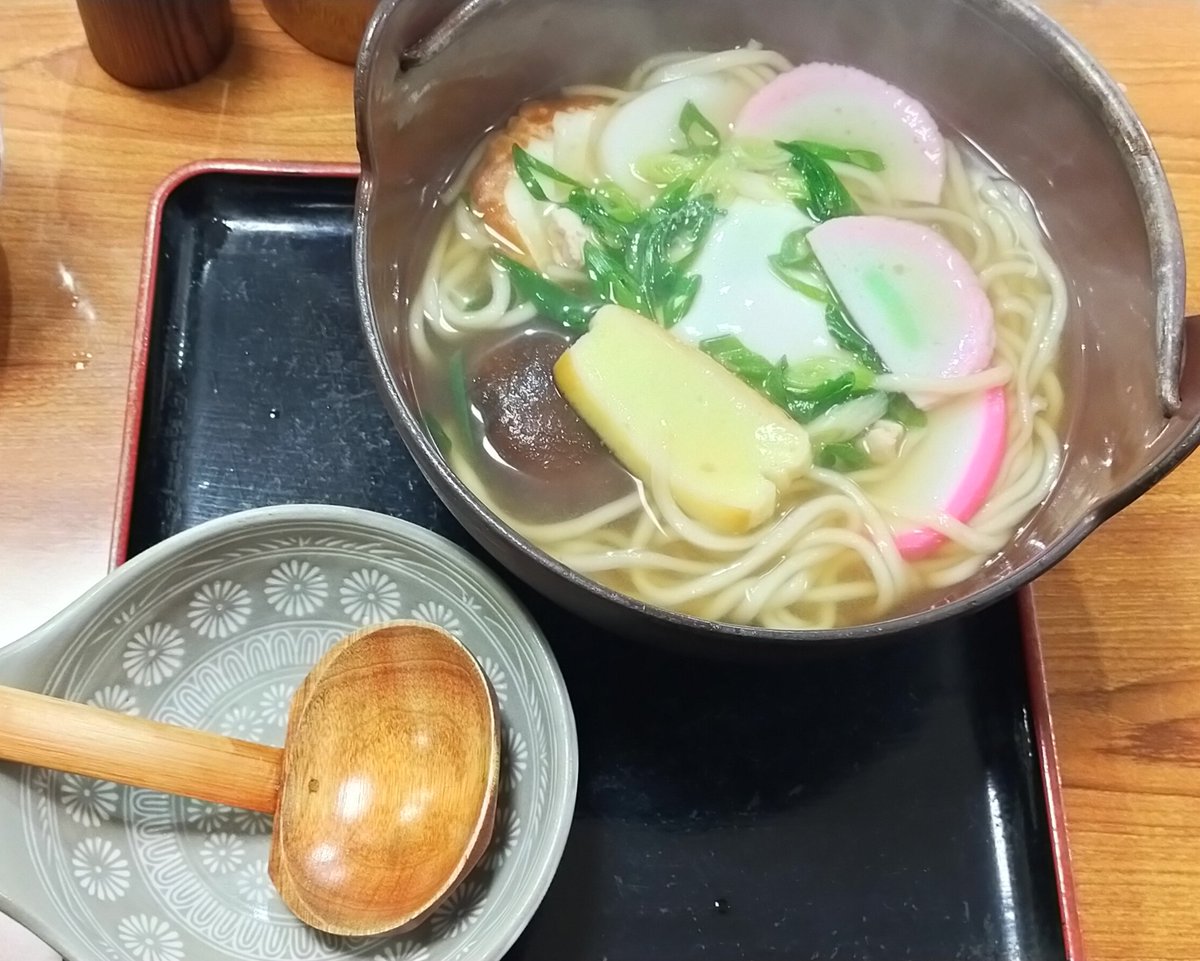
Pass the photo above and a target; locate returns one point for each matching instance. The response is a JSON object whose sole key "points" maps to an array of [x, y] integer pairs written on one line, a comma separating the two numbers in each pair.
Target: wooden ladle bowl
{"points": [[390, 770], [384, 794]]}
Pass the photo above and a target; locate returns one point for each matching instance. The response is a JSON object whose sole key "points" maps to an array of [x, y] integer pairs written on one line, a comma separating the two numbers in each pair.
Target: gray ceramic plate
{"points": [[214, 629]]}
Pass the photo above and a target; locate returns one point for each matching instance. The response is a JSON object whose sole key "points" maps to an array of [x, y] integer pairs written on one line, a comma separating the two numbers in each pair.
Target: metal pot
{"points": [[432, 76]]}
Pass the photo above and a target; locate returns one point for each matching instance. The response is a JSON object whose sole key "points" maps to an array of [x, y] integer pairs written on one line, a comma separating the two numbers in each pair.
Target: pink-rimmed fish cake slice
{"points": [[918, 301], [911, 293], [951, 471], [849, 108]]}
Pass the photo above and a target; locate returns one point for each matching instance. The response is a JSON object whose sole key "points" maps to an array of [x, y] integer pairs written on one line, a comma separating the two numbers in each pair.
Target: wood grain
{"points": [[1121, 617], [80, 739], [392, 762], [83, 154], [332, 28], [157, 44], [383, 795]]}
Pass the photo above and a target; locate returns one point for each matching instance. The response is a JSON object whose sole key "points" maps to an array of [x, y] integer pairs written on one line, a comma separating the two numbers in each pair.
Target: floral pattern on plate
{"points": [[115, 697], [87, 801], [296, 588], [369, 596], [219, 609], [100, 869], [439, 614], [141, 875], [148, 938], [152, 655]]}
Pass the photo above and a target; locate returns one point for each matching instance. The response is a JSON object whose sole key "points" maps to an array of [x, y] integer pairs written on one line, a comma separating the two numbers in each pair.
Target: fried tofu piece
{"points": [[557, 131]]}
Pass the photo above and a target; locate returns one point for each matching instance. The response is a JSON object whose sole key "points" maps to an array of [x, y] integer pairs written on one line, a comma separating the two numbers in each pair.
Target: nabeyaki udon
{"points": [[813, 334]]}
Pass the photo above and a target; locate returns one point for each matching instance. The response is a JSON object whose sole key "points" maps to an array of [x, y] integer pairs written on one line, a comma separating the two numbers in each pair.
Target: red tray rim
{"points": [[1043, 724]]}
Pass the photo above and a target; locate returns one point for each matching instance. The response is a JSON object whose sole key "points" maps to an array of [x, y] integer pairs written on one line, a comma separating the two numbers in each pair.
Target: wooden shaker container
{"points": [[157, 44], [332, 28]]}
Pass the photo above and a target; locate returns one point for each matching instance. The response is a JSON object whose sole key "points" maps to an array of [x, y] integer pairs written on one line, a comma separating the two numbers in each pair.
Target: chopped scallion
{"points": [[732, 354], [805, 390], [460, 399], [844, 456], [702, 137], [529, 168], [827, 195], [795, 250], [814, 372], [438, 433], [903, 411], [803, 282], [552, 301], [663, 168], [866, 159], [850, 338]]}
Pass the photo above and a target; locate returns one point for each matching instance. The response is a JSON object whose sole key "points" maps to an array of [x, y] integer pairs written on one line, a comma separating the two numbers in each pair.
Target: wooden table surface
{"points": [[1121, 617]]}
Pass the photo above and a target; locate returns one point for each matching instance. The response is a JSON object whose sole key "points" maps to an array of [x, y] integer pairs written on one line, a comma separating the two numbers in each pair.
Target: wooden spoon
{"points": [[384, 793]]}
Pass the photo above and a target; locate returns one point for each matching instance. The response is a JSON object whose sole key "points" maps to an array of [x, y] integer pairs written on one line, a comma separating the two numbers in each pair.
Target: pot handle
{"points": [[1171, 342], [439, 37], [425, 29], [1168, 270]]}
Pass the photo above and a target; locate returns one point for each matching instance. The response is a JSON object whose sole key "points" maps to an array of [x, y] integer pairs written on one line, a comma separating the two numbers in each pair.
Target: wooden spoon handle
{"points": [[68, 736]]}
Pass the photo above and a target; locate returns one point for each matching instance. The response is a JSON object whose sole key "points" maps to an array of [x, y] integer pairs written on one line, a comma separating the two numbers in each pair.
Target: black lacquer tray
{"points": [[900, 803]]}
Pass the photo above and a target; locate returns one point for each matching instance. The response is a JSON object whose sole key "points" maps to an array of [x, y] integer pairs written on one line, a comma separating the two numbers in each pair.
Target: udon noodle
{"points": [[827, 557]]}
